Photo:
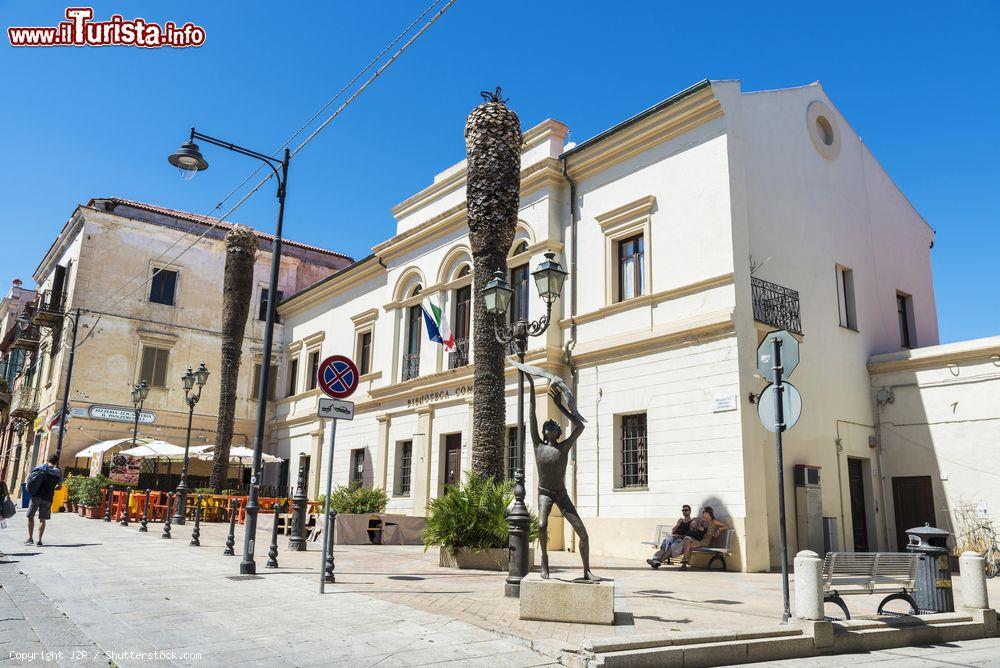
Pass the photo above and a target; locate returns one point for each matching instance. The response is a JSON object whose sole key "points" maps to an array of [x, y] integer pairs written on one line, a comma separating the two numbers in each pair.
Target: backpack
{"points": [[38, 480]]}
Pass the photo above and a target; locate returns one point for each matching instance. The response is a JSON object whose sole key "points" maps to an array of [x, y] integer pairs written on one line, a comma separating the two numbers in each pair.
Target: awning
{"points": [[236, 453], [102, 447], [155, 449]]}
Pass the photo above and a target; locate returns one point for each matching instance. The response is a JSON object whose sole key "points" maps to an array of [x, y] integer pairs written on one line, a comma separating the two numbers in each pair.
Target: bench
{"points": [[719, 547], [892, 573]]}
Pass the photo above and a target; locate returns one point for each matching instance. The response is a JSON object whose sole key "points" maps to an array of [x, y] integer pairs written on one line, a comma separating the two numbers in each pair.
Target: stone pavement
{"points": [[985, 652], [149, 601], [136, 591]]}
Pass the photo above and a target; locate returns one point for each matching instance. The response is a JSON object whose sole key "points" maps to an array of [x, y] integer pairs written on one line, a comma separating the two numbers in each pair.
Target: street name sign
{"points": [[335, 409], [789, 354]]}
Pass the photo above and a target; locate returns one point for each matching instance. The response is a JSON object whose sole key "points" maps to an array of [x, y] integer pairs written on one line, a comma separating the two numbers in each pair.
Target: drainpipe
{"points": [[571, 343], [882, 397]]}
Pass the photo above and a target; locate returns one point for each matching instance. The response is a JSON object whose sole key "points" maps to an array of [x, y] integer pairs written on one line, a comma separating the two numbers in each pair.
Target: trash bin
{"points": [[933, 569], [25, 497]]}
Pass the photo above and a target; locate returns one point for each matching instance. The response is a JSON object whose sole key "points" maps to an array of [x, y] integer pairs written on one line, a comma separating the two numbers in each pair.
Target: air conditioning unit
{"points": [[809, 508]]}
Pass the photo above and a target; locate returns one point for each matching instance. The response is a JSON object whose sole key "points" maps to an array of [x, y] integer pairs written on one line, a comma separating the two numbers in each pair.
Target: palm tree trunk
{"points": [[237, 292], [493, 156]]}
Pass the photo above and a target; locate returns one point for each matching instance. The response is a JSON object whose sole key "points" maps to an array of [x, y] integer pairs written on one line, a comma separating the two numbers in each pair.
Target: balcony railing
{"points": [[411, 366], [459, 357], [775, 305], [24, 402], [27, 337], [49, 306]]}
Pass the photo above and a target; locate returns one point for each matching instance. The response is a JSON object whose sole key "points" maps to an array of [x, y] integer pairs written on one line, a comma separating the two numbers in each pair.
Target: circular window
{"points": [[822, 126]]}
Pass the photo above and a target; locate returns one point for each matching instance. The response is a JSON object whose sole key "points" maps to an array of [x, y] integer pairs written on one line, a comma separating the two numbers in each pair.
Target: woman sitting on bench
{"points": [[702, 531]]}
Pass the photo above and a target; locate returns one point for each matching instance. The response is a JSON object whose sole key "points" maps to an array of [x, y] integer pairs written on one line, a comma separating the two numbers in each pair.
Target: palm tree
{"points": [[493, 190], [237, 291]]}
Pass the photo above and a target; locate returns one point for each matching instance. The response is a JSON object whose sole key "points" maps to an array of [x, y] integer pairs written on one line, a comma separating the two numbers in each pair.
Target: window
{"points": [[520, 281], [262, 312], [271, 379], [163, 286], [293, 377], [358, 466], [411, 358], [512, 450], [154, 366], [521, 247], [405, 455], [313, 379], [845, 298], [463, 308], [364, 354], [633, 451], [631, 253], [904, 310]]}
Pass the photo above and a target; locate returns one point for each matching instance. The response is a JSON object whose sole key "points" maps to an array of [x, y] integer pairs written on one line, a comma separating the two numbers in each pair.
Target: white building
{"points": [[689, 230]]}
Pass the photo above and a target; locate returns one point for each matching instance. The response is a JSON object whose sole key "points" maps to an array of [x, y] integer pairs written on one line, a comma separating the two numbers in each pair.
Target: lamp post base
{"points": [[181, 500], [518, 532]]}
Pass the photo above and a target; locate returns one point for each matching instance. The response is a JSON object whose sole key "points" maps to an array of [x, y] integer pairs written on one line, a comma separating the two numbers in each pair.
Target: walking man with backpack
{"points": [[42, 483]]}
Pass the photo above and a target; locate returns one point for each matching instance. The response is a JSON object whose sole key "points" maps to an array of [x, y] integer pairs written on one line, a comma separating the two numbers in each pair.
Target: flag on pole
{"points": [[437, 325]]}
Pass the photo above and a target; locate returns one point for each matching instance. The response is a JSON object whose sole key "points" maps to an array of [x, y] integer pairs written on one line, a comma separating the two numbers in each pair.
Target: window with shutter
{"points": [[154, 366], [163, 287]]}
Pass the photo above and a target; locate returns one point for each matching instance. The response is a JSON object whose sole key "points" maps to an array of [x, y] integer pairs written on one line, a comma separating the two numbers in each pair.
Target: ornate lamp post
{"points": [[139, 394], [190, 379], [189, 160], [549, 279]]}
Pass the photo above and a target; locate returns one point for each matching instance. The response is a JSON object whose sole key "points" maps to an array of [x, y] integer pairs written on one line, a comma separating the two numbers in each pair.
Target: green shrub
{"points": [[472, 515], [72, 485], [89, 492], [356, 499]]}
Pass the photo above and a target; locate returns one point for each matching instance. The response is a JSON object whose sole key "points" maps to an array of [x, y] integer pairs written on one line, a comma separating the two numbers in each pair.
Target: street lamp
{"points": [[549, 279], [139, 394], [189, 160], [190, 379]]}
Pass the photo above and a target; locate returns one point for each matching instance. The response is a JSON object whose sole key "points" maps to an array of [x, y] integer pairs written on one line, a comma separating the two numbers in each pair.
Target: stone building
{"points": [[149, 282], [689, 230]]}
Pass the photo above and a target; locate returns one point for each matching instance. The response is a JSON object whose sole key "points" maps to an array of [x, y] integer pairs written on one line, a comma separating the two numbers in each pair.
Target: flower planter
{"points": [[493, 559], [92, 512]]}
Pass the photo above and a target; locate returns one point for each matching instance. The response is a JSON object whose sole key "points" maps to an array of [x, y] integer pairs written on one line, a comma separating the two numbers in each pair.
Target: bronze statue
{"points": [[551, 457]]}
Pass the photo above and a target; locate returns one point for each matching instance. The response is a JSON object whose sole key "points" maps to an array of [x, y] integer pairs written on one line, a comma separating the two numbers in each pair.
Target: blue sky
{"points": [[916, 81]]}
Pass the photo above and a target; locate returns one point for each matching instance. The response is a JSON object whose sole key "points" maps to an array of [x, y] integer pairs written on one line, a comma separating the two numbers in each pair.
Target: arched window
{"points": [[521, 247], [464, 271], [415, 291]]}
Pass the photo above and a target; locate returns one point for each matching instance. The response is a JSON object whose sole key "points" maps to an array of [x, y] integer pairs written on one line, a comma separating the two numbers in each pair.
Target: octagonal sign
{"points": [[789, 354]]}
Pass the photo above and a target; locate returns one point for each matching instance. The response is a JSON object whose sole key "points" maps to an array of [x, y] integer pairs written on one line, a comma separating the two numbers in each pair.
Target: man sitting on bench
{"points": [[702, 532], [673, 544]]}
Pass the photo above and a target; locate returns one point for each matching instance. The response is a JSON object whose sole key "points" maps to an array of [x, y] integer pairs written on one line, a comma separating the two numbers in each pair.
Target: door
{"points": [[452, 459], [859, 512], [913, 499]]}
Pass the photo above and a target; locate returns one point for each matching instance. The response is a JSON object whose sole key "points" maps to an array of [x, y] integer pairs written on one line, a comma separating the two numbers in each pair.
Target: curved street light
{"points": [[189, 380]]}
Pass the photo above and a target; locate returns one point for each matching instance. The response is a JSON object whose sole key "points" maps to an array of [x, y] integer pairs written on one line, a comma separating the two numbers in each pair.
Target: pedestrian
{"points": [[702, 532], [671, 545], [42, 483]]}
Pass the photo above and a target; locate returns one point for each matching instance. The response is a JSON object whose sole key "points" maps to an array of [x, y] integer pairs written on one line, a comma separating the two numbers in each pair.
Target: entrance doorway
{"points": [[859, 510], [913, 499], [452, 459]]}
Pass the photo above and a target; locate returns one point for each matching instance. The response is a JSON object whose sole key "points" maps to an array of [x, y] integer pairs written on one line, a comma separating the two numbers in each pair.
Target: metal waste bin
{"points": [[933, 569]]}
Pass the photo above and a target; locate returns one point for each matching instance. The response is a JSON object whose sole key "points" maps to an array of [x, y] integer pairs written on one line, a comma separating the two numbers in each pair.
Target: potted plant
{"points": [[89, 496], [357, 507], [469, 524], [72, 484]]}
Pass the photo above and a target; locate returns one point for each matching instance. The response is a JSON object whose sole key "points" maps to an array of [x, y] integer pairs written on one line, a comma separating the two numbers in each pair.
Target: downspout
{"points": [[571, 343], [882, 397]]}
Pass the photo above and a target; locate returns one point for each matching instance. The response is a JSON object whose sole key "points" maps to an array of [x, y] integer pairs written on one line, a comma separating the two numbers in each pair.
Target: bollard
{"points": [[166, 522], [231, 537], [329, 565], [972, 568], [300, 501], [124, 515], [808, 586], [107, 509], [272, 553], [145, 514], [196, 533]]}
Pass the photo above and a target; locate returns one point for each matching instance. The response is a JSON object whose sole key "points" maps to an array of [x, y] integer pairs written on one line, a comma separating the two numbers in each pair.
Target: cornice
{"points": [[626, 214], [649, 299], [937, 356], [314, 339], [696, 109], [679, 333], [365, 317], [326, 290]]}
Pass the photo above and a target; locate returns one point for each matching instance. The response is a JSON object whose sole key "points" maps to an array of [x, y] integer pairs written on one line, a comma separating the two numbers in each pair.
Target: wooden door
{"points": [[452, 459], [859, 511], [913, 498]]}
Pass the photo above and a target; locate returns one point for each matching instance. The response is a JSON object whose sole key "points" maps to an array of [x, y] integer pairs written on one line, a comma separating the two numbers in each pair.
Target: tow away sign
{"points": [[335, 409]]}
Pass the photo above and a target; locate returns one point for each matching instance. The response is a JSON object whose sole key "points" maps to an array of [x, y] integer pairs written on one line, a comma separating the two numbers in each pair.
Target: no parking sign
{"points": [[337, 377]]}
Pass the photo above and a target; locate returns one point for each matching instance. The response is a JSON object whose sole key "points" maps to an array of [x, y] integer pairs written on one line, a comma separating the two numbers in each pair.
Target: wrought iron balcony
{"points": [[460, 356], [775, 305], [24, 403], [411, 366], [49, 306], [27, 337]]}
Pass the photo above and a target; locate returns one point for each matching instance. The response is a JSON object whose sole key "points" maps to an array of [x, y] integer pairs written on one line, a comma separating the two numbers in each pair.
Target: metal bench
{"points": [[892, 573], [720, 547]]}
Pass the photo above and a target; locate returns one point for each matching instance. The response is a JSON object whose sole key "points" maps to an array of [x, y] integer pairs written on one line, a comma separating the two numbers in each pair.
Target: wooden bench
{"points": [[719, 547], [892, 573]]}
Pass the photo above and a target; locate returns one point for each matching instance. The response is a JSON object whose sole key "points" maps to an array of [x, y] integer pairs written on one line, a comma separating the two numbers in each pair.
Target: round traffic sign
{"points": [[791, 402], [337, 377]]}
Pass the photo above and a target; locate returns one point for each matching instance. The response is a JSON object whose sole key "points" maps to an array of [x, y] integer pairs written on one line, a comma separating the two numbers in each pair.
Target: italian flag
{"points": [[437, 326]]}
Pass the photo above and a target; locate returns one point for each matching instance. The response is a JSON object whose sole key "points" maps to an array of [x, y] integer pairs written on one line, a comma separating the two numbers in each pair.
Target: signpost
{"points": [[779, 409], [338, 378]]}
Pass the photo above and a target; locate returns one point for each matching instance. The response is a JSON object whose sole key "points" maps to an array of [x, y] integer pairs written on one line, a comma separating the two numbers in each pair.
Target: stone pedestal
{"points": [[808, 586], [562, 600], [974, 593]]}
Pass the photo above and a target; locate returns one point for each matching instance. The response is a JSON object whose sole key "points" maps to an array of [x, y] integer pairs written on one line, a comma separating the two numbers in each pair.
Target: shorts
{"points": [[43, 506]]}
